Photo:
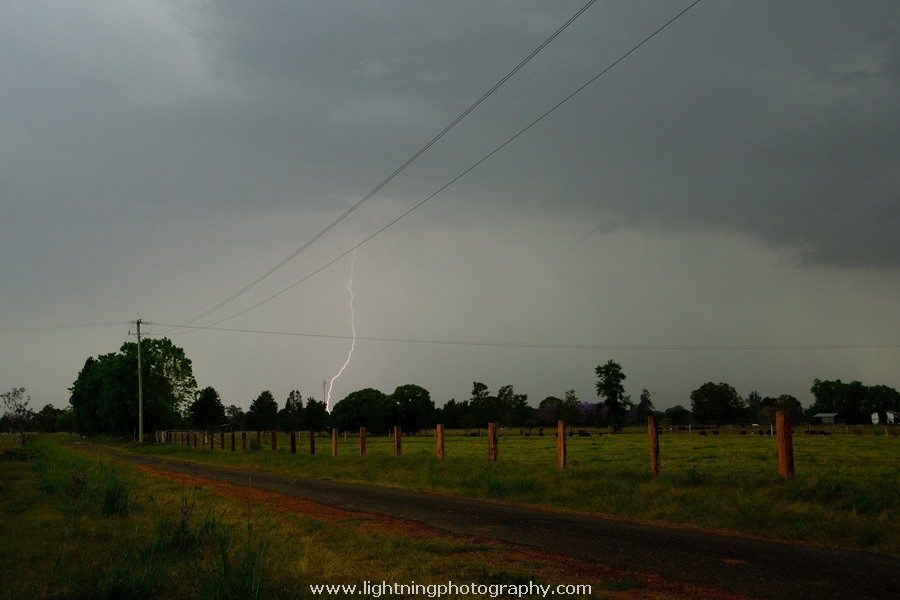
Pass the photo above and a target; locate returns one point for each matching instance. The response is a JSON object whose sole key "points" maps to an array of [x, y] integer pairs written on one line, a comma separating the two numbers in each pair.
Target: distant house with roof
{"points": [[886, 417], [825, 418]]}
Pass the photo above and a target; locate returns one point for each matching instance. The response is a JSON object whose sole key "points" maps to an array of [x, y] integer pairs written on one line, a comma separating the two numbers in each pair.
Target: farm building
{"points": [[825, 418], [886, 417]]}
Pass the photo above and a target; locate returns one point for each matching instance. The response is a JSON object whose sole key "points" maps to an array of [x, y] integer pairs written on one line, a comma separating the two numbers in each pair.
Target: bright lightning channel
{"points": [[353, 331]]}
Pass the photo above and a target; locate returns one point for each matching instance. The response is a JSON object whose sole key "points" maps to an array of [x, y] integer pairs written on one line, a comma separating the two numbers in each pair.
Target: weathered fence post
{"points": [[362, 441], [561, 444], [492, 442], [397, 435], [232, 441], [439, 435], [274, 436], [785, 444], [312, 441], [293, 442], [653, 434], [195, 439], [221, 440], [259, 439], [243, 441], [334, 441]]}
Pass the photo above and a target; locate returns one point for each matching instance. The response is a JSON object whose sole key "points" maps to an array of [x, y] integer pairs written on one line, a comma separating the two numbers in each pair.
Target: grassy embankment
{"points": [[77, 527], [846, 492]]}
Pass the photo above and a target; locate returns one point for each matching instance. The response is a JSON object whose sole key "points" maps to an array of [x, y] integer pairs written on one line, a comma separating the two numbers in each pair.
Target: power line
{"points": [[660, 347], [25, 328], [468, 170], [397, 171]]}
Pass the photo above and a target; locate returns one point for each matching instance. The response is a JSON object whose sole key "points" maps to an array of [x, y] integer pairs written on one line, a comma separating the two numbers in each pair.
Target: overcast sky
{"points": [[717, 207]]}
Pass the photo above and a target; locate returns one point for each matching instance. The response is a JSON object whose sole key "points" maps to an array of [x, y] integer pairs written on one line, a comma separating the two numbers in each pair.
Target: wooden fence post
{"points": [[334, 441], [785, 444], [259, 438], [243, 441], [492, 442], [274, 436], [293, 442], [561, 444], [195, 439], [232, 441], [212, 440], [362, 441], [397, 436], [221, 440], [439, 435], [653, 434], [312, 441]]}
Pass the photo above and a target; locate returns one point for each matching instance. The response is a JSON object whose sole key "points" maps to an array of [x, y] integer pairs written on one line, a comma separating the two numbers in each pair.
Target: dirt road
{"points": [[736, 565]]}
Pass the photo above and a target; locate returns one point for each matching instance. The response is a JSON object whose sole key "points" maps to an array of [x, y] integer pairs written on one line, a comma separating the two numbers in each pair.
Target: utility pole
{"points": [[140, 386]]}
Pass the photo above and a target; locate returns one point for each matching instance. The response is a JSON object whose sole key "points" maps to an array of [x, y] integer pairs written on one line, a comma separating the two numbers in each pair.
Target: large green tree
{"points": [[206, 411], [263, 413], [609, 387], [290, 418], [413, 407], [717, 403], [369, 408], [104, 397], [315, 415]]}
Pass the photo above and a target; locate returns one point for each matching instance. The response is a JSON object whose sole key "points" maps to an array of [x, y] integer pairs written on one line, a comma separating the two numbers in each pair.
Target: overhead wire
{"points": [[472, 167], [548, 345], [396, 171]]}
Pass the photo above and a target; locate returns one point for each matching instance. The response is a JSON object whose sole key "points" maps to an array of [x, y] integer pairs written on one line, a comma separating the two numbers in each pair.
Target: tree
{"points": [[453, 414], [880, 398], [316, 415], [677, 415], [46, 419], [769, 406], [263, 413], [522, 413], [483, 408], [104, 397], [645, 407], [207, 412], [553, 409], [290, 418], [369, 408], [717, 403], [610, 389], [414, 407], [17, 415], [754, 405], [852, 401], [235, 417]]}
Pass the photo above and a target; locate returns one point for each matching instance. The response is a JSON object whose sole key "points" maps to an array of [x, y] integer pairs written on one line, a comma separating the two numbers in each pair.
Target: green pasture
{"points": [[846, 492]]}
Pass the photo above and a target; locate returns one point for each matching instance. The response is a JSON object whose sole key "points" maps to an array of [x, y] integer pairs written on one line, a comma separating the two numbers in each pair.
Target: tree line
{"points": [[103, 400]]}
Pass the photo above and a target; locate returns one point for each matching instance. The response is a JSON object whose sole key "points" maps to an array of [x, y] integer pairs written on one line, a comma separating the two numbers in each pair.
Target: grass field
{"points": [[846, 492], [75, 526]]}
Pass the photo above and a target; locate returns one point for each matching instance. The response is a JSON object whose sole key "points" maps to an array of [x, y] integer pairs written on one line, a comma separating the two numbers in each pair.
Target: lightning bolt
{"points": [[352, 329]]}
